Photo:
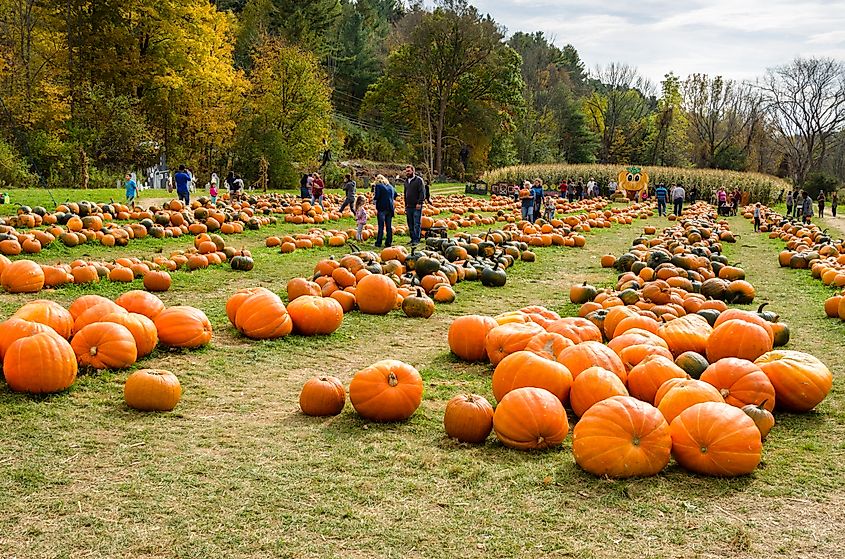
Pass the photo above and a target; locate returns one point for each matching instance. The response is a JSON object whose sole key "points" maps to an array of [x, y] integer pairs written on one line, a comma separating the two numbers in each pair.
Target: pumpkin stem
{"points": [[762, 405], [760, 308], [392, 380], [93, 350]]}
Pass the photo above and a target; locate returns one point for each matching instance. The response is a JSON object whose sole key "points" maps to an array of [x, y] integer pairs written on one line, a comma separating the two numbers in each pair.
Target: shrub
{"points": [[13, 169]]}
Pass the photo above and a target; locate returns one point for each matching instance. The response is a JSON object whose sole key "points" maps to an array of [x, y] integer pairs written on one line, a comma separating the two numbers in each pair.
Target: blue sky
{"points": [[733, 38]]}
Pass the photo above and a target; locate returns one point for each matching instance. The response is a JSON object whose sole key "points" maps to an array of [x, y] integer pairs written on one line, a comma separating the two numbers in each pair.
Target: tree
{"points": [[670, 144], [288, 112], [805, 100]]}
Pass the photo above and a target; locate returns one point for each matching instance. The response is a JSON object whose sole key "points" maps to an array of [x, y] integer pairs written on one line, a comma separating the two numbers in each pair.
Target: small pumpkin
{"points": [[467, 335], [761, 416], [322, 397], [152, 390], [418, 305], [468, 418], [388, 390], [529, 419]]}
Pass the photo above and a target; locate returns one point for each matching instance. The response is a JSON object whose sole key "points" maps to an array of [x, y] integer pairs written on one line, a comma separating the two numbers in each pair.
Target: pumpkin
{"points": [[740, 382], [388, 390], [800, 380], [105, 345], [81, 304], [140, 302], [762, 418], [468, 418], [575, 329], [530, 418], [509, 338], [622, 437], [747, 316], [41, 363], [157, 281], [143, 330], [183, 326], [580, 294], [693, 364], [548, 344], [688, 333], [523, 368], [297, 287], [592, 386], [716, 439], [259, 314], [152, 390], [467, 335], [781, 333], [738, 338], [614, 316], [313, 316], [418, 305], [96, 314], [592, 354], [48, 313], [14, 328], [674, 397], [376, 294], [322, 397], [649, 375], [22, 276]]}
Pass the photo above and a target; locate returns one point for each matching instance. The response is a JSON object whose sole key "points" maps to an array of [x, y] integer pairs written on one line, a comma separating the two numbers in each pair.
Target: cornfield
{"points": [[762, 188]]}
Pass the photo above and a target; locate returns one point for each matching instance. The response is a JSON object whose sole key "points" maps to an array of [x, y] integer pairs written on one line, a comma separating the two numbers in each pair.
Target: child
{"points": [[757, 217], [131, 190], [550, 208], [360, 216], [212, 191]]}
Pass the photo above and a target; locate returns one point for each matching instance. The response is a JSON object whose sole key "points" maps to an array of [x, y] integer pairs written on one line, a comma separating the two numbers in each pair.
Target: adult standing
{"points": [[807, 206], [182, 179], [693, 194], [821, 201], [611, 187], [383, 195], [678, 197], [789, 202], [799, 205], [317, 187], [537, 194], [415, 195], [305, 186], [591, 188], [662, 195], [834, 201], [526, 199], [563, 188], [131, 190], [349, 187]]}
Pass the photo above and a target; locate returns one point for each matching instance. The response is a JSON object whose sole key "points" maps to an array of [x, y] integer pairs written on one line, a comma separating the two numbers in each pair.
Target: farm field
{"points": [[237, 471]]}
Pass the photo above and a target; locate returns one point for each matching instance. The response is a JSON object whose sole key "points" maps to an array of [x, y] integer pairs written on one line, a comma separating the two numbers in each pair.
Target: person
{"points": [[131, 189], [834, 200], [237, 187], [678, 197], [579, 190], [591, 188], [527, 201], [349, 187], [415, 195], [722, 200], [799, 205], [515, 193], [213, 192], [789, 204], [821, 201], [662, 195], [317, 186], [737, 198], [551, 206], [570, 190], [190, 179], [537, 192], [611, 188], [360, 217], [693, 195], [757, 217], [563, 187], [383, 195], [806, 206], [182, 178], [305, 186]]}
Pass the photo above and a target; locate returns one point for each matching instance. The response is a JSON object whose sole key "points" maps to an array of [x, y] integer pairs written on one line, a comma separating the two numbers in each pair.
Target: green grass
{"points": [[235, 471]]}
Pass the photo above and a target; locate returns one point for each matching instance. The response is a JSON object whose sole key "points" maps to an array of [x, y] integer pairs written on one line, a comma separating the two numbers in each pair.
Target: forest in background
{"points": [[92, 88]]}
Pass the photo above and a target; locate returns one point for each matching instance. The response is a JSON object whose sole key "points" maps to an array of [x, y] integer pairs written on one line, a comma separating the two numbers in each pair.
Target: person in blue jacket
{"points": [[537, 194], [662, 196], [384, 195], [182, 178]]}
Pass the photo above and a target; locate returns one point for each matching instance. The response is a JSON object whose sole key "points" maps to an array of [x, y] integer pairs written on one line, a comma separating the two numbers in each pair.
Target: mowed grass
{"points": [[237, 472]]}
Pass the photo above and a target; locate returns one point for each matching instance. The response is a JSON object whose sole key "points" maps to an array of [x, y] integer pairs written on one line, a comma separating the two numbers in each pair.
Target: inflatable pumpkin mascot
{"points": [[633, 181]]}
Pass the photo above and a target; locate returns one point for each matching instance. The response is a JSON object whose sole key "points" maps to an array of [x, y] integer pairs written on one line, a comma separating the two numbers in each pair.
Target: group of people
{"points": [[799, 204], [534, 201], [311, 186], [727, 204], [182, 180], [677, 194]]}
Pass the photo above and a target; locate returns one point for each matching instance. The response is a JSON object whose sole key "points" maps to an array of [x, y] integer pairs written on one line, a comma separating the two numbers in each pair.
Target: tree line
{"points": [[91, 88]]}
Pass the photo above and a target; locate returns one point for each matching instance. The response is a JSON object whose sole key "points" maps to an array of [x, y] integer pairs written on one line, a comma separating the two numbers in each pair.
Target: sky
{"points": [[737, 39]]}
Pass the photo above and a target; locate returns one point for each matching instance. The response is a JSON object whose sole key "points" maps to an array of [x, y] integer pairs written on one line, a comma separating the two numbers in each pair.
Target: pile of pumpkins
{"points": [[703, 395], [314, 238], [43, 344]]}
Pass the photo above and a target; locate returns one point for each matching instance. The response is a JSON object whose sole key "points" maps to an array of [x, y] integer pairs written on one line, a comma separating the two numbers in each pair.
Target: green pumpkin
{"points": [[493, 277], [692, 363], [418, 305], [425, 266], [242, 263], [710, 315], [769, 316]]}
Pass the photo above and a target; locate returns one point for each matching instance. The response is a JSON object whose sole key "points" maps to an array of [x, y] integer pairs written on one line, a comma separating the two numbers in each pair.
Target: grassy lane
{"points": [[237, 472]]}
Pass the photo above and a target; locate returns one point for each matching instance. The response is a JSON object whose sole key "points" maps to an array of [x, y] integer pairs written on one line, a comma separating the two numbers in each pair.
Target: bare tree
{"points": [[722, 115], [805, 101]]}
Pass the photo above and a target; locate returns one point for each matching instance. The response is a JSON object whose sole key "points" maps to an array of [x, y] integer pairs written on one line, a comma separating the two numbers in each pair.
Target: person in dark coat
{"points": [[537, 194], [415, 196], [383, 195]]}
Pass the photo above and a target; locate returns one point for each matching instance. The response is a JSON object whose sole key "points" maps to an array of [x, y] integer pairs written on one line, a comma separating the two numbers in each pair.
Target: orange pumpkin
{"points": [[183, 326], [322, 397], [468, 418], [140, 302], [592, 386], [388, 390], [143, 330], [548, 344], [580, 357], [530, 418], [22, 276], [675, 396], [259, 314], [688, 333], [376, 294], [48, 313], [740, 382], [800, 380], [647, 377], [467, 335], [157, 281], [40, 363], [315, 315], [509, 338], [105, 345], [523, 368], [152, 390], [739, 338], [81, 304], [15, 328]]}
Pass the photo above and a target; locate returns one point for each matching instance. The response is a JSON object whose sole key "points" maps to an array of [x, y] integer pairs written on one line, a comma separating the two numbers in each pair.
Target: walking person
{"points": [[592, 188], [182, 179], [537, 192], [415, 195], [757, 217], [360, 217], [526, 198], [834, 200], [806, 206], [213, 191], [789, 202], [131, 190], [662, 195], [349, 187], [678, 197], [317, 187], [798, 208], [384, 195], [821, 201]]}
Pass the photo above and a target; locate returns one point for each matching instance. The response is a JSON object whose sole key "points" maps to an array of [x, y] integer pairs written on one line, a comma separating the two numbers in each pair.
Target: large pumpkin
{"points": [[322, 397], [800, 380], [592, 354], [260, 315], [467, 335], [376, 294], [96, 314], [716, 439], [740, 382], [41, 363], [14, 328], [141, 302], [592, 386], [739, 338], [576, 329], [688, 333], [105, 345], [646, 378], [388, 390], [142, 328], [530, 418], [622, 437], [183, 326], [22, 276], [677, 395], [152, 390], [468, 418], [509, 338], [315, 315], [82, 304], [548, 344], [48, 313], [523, 368]]}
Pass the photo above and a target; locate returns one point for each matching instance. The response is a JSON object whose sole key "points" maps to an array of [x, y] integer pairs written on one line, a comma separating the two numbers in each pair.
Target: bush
{"points": [[13, 169], [816, 182]]}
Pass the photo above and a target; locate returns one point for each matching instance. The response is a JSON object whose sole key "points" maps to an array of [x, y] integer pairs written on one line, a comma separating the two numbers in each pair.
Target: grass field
{"points": [[237, 472]]}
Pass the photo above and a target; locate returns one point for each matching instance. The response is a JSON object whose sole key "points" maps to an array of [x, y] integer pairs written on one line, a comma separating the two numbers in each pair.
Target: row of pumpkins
{"points": [[43, 344], [26, 276]]}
